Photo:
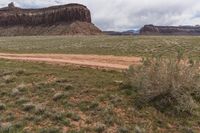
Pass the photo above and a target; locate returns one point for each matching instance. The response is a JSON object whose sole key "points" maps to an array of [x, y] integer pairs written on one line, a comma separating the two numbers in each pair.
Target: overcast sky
{"points": [[129, 14]]}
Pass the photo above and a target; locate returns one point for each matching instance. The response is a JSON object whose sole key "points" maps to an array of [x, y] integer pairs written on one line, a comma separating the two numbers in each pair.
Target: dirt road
{"points": [[98, 61]]}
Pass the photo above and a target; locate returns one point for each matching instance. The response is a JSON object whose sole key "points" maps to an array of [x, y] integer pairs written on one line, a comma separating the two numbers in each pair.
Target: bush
{"points": [[2, 106], [58, 96], [28, 106], [170, 85]]}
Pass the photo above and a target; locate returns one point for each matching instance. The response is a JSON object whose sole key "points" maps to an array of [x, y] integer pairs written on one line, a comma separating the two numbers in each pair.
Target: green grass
{"points": [[103, 45], [38, 97], [94, 102]]}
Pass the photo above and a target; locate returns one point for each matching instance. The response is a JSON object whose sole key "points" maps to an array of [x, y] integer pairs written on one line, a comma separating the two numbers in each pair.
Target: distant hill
{"points": [[170, 30], [128, 32]]}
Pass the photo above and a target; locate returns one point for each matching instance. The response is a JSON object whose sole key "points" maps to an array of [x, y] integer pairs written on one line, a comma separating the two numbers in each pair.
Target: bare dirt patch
{"points": [[97, 61]]}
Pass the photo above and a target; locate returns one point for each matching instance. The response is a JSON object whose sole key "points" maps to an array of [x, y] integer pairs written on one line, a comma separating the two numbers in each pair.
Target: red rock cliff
{"points": [[170, 30], [77, 15]]}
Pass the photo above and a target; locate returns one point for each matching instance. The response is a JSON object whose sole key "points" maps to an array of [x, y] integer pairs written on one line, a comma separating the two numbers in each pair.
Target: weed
{"points": [[20, 72], [50, 130], [73, 116], [123, 130], [2, 106], [40, 110], [28, 106], [68, 87], [22, 100], [22, 87], [100, 128], [58, 95], [87, 106], [139, 129], [9, 78], [15, 92]]}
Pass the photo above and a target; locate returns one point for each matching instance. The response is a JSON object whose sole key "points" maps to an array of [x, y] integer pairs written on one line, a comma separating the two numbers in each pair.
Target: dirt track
{"points": [[98, 61]]}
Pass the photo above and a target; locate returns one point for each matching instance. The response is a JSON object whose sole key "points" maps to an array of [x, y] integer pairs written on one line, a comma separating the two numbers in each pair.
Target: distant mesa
{"points": [[170, 30], [70, 19], [122, 33]]}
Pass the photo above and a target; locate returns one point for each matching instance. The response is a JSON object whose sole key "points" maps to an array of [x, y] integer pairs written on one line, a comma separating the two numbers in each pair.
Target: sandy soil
{"points": [[98, 61]]}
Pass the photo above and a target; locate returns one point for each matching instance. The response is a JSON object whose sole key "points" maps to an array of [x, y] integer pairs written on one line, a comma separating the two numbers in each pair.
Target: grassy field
{"points": [[43, 98], [50, 98], [104, 45]]}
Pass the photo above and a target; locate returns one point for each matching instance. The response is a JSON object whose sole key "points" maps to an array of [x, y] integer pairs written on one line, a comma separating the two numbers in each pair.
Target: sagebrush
{"points": [[171, 85]]}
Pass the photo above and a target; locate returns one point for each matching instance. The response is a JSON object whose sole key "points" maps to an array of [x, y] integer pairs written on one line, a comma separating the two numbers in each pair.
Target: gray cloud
{"points": [[129, 14]]}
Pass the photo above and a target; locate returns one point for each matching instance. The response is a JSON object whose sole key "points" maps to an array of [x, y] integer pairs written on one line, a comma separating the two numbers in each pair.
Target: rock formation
{"points": [[57, 20], [170, 30]]}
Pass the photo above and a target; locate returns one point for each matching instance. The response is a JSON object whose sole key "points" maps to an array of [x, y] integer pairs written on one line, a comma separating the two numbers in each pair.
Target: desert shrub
{"points": [[73, 116], [171, 85], [100, 128], [22, 100], [2, 106], [50, 130], [28, 106], [58, 96], [9, 78], [40, 110]]}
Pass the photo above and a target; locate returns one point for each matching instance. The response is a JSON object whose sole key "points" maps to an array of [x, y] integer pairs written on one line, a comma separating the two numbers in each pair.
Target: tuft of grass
{"points": [[15, 92], [40, 110], [28, 106], [123, 130], [2, 106], [58, 95], [167, 84], [73, 116], [22, 87], [68, 87], [50, 130], [100, 128], [9, 78], [6, 128], [22, 100]]}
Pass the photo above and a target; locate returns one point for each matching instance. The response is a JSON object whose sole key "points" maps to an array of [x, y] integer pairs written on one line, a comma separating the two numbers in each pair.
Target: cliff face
{"points": [[170, 30], [12, 17]]}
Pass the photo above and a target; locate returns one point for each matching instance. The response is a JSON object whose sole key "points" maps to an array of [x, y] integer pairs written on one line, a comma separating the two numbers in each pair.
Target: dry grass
{"points": [[103, 45], [167, 84]]}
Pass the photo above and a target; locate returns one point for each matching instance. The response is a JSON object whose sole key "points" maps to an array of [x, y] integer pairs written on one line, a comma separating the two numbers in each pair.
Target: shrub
{"points": [[100, 128], [169, 85], [9, 78], [6, 128], [40, 110], [22, 100], [22, 87], [2, 106], [73, 116], [50, 130], [58, 95], [28, 106], [15, 92]]}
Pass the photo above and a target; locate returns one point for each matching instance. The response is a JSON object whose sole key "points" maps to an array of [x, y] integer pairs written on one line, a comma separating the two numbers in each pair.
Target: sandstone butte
{"points": [[70, 19], [170, 30]]}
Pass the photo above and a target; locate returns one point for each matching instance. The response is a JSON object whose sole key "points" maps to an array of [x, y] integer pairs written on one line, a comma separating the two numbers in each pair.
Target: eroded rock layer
{"points": [[56, 20], [170, 30]]}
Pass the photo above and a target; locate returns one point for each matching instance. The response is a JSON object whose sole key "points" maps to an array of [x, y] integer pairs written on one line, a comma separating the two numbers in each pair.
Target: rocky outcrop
{"points": [[170, 30], [58, 20]]}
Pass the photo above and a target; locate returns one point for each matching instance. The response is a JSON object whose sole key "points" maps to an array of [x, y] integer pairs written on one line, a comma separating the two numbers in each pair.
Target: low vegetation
{"points": [[145, 46], [51, 98], [162, 95], [171, 85]]}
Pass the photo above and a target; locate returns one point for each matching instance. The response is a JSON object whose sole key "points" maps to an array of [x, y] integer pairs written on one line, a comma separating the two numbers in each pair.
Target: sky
{"points": [[121, 15]]}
